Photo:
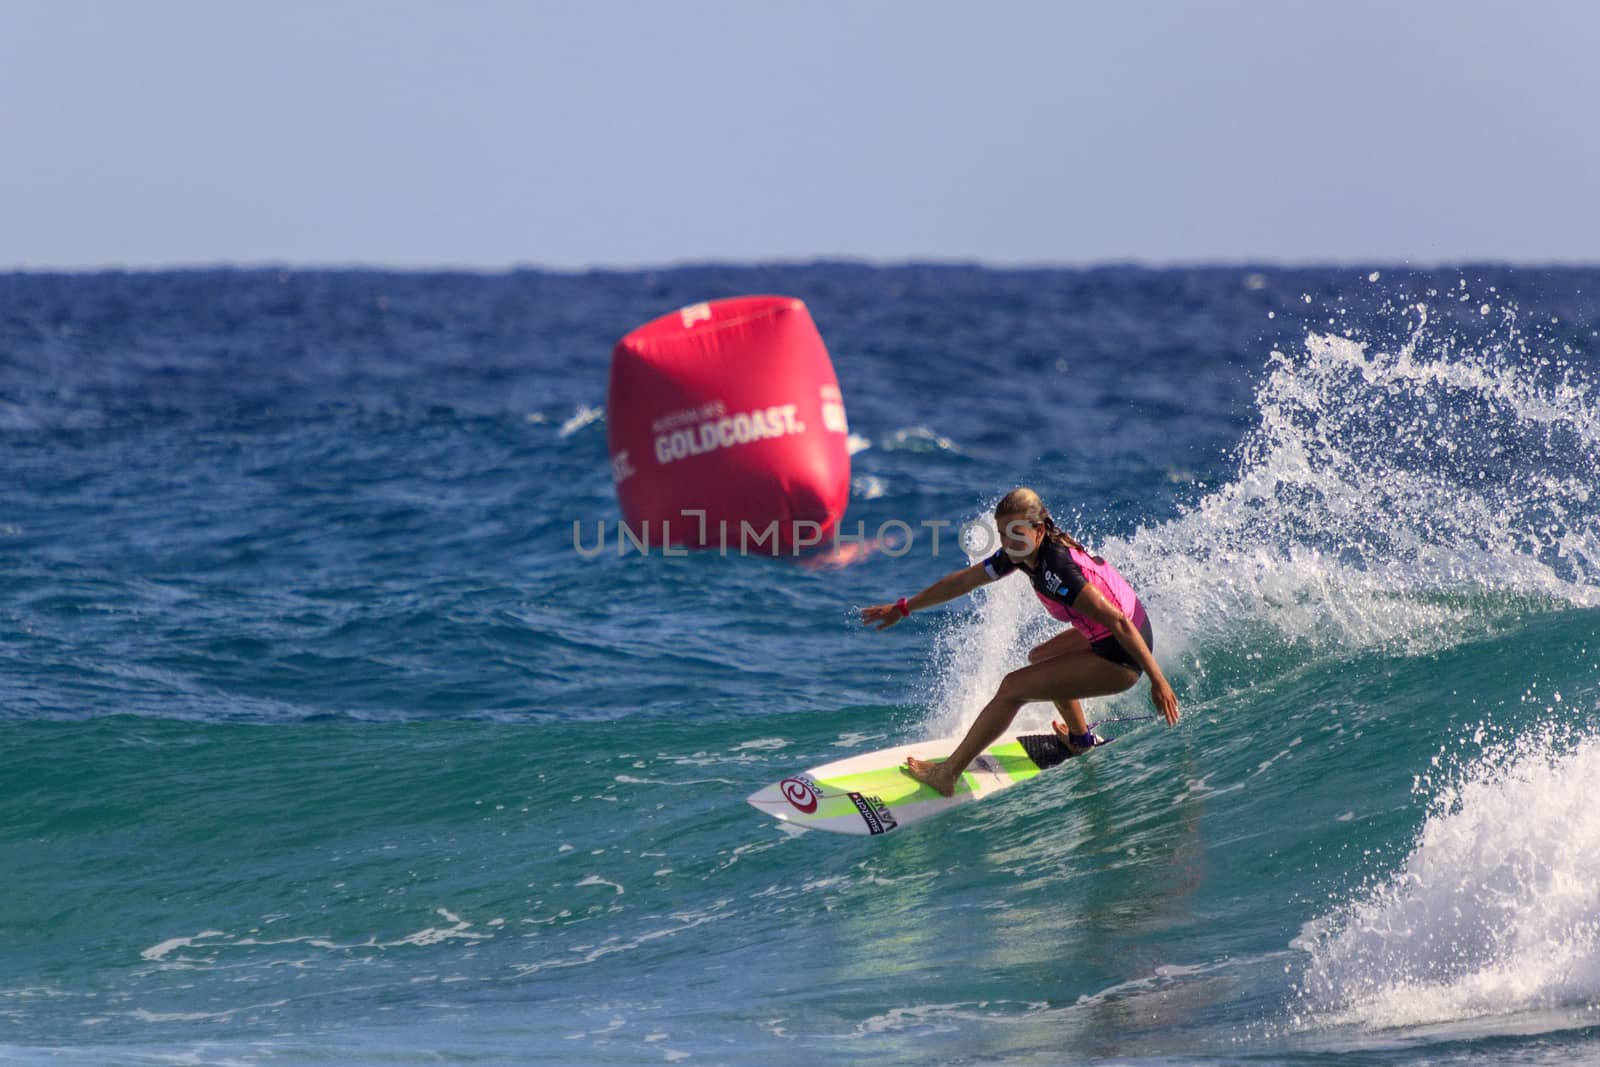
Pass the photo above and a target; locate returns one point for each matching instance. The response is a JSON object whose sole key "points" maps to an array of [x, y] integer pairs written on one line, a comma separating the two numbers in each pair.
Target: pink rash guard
{"points": [[1061, 573]]}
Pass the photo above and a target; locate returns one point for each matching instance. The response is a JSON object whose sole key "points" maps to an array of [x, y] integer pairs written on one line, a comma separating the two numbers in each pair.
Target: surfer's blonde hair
{"points": [[1024, 504]]}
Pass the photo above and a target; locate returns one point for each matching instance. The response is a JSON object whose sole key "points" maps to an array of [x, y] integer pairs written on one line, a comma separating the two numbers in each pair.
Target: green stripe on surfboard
{"points": [[894, 786]]}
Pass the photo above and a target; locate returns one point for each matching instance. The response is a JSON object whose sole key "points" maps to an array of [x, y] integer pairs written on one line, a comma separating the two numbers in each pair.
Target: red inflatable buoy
{"points": [[731, 409]]}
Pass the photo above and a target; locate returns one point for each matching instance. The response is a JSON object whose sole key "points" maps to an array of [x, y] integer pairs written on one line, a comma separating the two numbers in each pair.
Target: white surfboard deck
{"points": [[871, 793]]}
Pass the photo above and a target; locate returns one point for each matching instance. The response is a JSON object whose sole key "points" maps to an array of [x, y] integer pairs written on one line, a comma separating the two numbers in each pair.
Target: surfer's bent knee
{"points": [[1011, 684]]}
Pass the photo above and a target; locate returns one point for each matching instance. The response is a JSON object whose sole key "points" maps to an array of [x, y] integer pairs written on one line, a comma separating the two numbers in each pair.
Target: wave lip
{"points": [[1392, 496], [1496, 911]]}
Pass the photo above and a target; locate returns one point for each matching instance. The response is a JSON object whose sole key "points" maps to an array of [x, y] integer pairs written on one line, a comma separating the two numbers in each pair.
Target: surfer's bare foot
{"points": [[928, 774]]}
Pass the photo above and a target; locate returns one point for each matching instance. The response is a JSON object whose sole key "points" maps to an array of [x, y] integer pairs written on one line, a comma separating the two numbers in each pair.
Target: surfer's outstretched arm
{"points": [[952, 585]]}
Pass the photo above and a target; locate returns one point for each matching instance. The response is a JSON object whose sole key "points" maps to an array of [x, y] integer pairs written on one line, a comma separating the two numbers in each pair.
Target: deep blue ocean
{"points": [[320, 743]]}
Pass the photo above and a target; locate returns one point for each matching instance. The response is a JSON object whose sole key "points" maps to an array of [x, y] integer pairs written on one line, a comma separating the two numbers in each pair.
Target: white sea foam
{"points": [[946, 1017], [459, 929], [596, 880], [225, 1015], [584, 416], [762, 744], [918, 439], [579, 956], [156, 953], [1496, 910], [628, 779], [220, 941], [868, 487]]}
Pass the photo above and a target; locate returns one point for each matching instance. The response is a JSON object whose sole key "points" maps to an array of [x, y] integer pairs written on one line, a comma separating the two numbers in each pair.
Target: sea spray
{"points": [[1496, 910], [1403, 498]]}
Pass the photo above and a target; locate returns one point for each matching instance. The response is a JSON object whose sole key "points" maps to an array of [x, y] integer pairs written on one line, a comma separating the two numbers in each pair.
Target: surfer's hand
{"points": [[1165, 700], [885, 615]]}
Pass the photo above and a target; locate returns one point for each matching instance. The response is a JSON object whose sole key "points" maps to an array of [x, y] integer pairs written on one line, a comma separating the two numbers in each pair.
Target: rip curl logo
{"points": [[1051, 582], [798, 792]]}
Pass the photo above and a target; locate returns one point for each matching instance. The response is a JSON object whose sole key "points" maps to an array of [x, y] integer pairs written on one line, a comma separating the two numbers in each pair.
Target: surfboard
{"points": [[869, 794]]}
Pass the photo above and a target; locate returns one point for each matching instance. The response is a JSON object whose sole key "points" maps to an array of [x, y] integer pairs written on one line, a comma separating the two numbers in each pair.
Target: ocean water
{"points": [[320, 743]]}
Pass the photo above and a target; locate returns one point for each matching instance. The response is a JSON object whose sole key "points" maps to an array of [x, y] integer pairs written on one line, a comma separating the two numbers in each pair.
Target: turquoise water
{"points": [[320, 743]]}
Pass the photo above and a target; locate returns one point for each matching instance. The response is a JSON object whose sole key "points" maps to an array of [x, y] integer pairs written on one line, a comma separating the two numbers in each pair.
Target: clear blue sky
{"points": [[578, 133]]}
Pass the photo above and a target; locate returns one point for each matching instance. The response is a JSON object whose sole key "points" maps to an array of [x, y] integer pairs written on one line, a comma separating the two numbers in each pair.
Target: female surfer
{"points": [[1106, 650]]}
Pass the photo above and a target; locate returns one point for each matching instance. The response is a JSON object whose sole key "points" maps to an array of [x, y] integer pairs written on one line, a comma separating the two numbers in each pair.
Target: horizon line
{"points": [[866, 262]]}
